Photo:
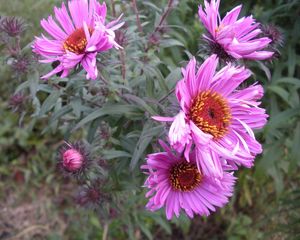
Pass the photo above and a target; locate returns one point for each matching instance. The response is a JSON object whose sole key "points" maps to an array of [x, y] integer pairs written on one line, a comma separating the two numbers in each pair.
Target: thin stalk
{"points": [[123, 66], [137, 16], [105, 231], [165, 97], [162, 20], [113, 8], [163, 17], [122, 52]]}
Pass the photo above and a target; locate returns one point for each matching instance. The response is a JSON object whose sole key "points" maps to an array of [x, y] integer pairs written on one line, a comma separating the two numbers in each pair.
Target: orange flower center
{"points": [[185, 176], [77, 41], [210, 112], [219, 28]]}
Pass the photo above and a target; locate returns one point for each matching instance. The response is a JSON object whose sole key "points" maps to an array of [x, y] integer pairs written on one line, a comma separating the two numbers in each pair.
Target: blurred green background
{"points": [[36, 202]]}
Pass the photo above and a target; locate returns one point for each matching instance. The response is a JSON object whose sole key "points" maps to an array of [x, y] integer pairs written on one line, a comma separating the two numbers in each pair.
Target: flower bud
{"points": [[72, 160], [92, 196], [274, 33], [13, 26], [17, 102], [21, 65]]}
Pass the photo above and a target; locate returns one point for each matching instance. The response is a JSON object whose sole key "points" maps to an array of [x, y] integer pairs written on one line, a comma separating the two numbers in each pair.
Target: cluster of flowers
{"points": [[75, 36], [211, 136]]}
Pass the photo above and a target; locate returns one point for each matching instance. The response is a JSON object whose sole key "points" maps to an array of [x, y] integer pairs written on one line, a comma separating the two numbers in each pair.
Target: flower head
{"points": [[89, 197], [217, 118], [21, 64], [231, 36], [78, 38], [93, 195], [13, 26], [176, 184], [17, 102], [274, 33], [74, 159]]}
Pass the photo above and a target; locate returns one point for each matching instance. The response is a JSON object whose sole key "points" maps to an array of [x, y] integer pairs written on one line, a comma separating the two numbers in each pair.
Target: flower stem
{"points": [[138, 21], [162, 20], [166, 96], [122, 52], [163, 17], [113, 8], [105, 231]]}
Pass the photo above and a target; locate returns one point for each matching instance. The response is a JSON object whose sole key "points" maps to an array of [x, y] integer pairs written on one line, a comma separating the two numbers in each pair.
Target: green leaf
{"points": [[296, 144], [33, 82], [150, 88], [278, 179], [166, 43], [152, 72], [152, 5], [162, 222], [113, 154], [140, 102], [22, 86], [174, 77], [61, 112], [291, 60], [77, 106], [280, 92], [49, 102], [282, 118], [148, 133], [93, 130], [145, 230], [109, 109], [290, 80], [95, 221], [45, 88], [265, 69]]}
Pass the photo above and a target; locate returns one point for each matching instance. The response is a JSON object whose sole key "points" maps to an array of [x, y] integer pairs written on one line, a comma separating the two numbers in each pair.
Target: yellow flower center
{"points": [[210, 112], [185, 176], [76, 42]]}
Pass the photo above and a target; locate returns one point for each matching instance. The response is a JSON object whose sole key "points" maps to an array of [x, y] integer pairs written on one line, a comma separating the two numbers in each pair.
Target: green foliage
{"points": [[135, 85]]}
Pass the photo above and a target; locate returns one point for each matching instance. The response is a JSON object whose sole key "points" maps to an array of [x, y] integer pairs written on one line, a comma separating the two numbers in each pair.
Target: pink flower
{"points": [[217, 118], [233, 37], [74, 159], [176, 184], [76, 38]]}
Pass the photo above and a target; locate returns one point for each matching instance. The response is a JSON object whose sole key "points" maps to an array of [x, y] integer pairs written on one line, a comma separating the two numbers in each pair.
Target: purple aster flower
{"points": [[215, 117], [231, 36], [77, 38], [176, 184]]}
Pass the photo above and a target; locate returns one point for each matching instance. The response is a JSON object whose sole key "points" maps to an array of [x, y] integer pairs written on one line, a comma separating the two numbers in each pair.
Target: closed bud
{"points": [[21, 65], [91, 196], [74, 160], [17, 102], [13, 26], [274, 33]]}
